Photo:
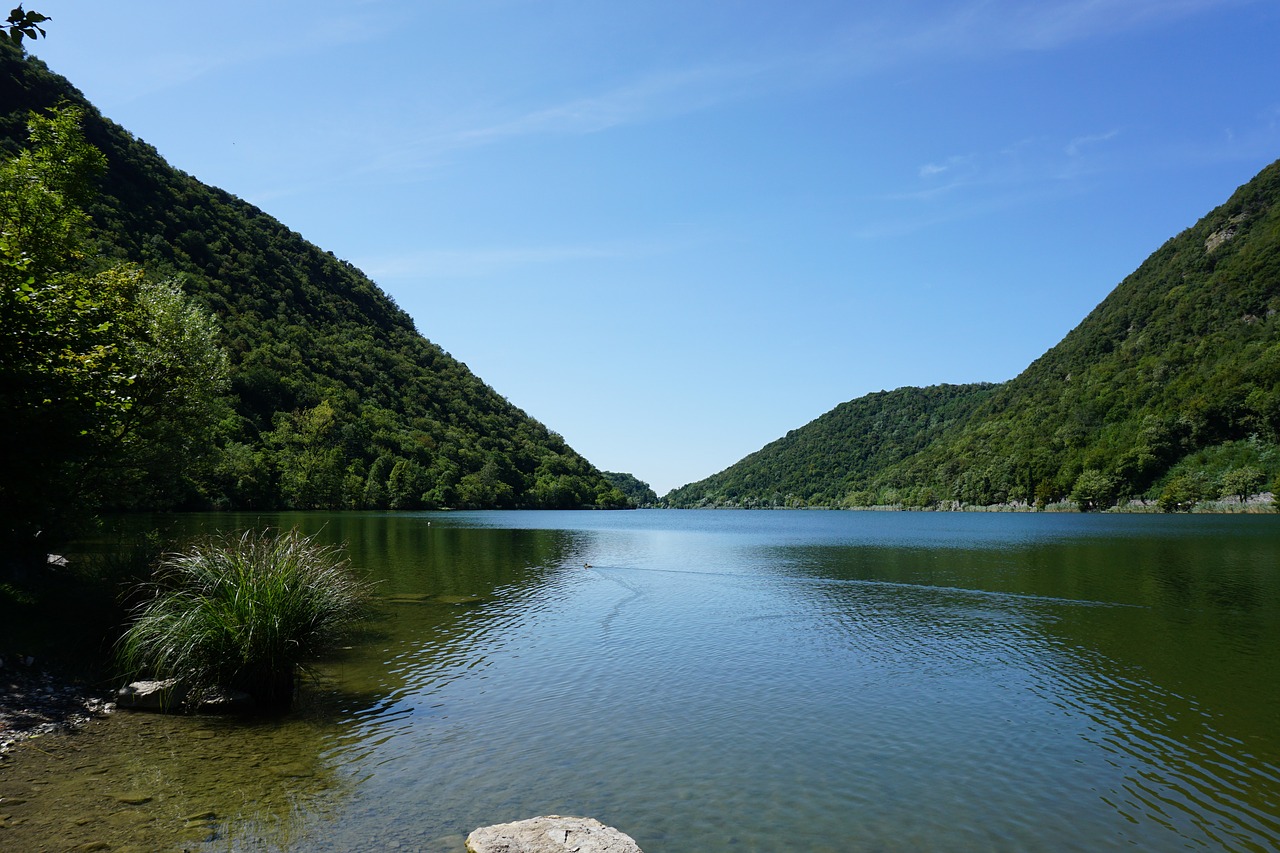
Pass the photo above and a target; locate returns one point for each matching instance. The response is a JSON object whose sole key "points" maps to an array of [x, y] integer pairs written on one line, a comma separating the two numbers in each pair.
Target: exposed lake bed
{"points": [[735, 680]]}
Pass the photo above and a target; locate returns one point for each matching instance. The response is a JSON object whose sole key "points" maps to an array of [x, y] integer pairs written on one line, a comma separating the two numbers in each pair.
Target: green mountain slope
{"points": [[636, 490], [339, 401], [833, 458], [1181, 360]]}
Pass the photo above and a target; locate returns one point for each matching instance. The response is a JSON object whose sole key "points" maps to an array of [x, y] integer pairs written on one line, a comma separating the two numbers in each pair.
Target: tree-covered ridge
{"points": [[833, 459], [338, 400], [1183, 355], [637, 491], [1178, 367]]}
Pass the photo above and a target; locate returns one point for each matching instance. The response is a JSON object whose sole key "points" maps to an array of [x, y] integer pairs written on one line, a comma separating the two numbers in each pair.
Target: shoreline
{"points": [[36, 700], [1259, 504]]}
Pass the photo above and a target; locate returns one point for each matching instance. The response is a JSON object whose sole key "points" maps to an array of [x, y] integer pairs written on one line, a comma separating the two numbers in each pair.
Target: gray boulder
{"points": [[551, 834], [163, 696], [171, 696]]}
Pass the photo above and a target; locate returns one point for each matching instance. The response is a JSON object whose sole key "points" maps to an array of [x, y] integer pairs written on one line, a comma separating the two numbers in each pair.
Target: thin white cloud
{"points": [[859, 49], [961, 187], [483, 262], [450, 263], [985, 27], [653, 97], [140, 74], [1049, 25], [658, 95], [907, 37], [947, 166], [891, 224], [1075, 146]]}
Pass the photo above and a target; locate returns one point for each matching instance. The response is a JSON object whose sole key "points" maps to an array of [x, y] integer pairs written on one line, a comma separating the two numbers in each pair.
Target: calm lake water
{"points": [[748, 681]]}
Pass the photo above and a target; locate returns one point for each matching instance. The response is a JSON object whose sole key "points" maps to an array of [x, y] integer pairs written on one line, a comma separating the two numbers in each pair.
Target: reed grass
{"points": [[244, 612]]}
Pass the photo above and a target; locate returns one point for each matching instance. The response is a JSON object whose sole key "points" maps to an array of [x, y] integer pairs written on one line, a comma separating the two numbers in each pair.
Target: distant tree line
{"points": [[636, 490]]}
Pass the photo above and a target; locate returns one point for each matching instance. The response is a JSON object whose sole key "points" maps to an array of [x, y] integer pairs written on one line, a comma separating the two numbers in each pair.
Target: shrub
{"points": [[1094, 490], [244, 612], [1242, 483], [1184, 491]]}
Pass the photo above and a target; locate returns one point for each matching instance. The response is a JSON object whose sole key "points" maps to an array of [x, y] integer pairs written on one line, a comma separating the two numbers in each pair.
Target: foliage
{"points": [[338, 401], [1184, 491], [1206, 473], [22, 24], [1184, 354], [840, 458], [70, 613], [244, 613], [633, 489], [1242, 483], [109, 380], [1094, 490]]}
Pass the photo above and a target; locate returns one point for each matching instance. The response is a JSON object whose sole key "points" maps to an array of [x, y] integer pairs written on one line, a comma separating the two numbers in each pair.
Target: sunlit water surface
{"points": [[745, 681]]}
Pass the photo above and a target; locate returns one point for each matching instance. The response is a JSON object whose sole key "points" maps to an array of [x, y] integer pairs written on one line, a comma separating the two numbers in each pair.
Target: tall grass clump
{"points": [[244, 612]]}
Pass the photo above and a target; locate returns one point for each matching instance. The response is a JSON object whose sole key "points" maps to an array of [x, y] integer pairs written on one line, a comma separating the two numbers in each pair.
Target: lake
{"points": [[747, 681]]}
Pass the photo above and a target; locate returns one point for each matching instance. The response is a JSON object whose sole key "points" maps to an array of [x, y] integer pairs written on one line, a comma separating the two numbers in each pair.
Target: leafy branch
{"points": [[22, 24]]}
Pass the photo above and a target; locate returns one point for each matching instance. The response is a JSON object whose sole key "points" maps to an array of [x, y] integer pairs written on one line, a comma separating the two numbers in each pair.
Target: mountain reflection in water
{"points": [[761, 681]]}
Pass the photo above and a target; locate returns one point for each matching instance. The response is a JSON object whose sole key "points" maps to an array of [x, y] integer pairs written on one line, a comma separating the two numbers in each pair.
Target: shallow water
{"points": [[747, 681]]}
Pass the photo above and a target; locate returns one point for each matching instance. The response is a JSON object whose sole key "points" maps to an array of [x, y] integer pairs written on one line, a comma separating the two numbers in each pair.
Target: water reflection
{"points": [[765, 681], [446, 594], [1169, 684]]}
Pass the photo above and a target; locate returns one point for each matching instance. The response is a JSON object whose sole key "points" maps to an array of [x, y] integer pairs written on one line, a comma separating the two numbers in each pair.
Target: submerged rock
{"points": [[461, 600], [223, 701], [551, 834], [133, 798]]}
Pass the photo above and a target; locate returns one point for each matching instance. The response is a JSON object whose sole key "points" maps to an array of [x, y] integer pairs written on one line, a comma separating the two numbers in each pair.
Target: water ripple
{"points": [[751, 692]]}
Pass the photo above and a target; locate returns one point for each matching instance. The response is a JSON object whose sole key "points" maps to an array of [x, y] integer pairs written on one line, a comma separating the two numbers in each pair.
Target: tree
{"points": [[160, 432], [1242, 482], [109, 382], [635, 490], [310, 461], [406, 484], [1183, 492], [1093, 489]]}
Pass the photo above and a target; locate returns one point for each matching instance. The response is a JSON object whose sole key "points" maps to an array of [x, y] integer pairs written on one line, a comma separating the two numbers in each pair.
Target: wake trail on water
{"points": [[982, 593]]}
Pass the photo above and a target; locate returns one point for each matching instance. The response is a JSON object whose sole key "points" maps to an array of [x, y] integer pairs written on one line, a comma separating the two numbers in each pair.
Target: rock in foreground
{"points": [[165, 695], [551, 834], [170, 696]]}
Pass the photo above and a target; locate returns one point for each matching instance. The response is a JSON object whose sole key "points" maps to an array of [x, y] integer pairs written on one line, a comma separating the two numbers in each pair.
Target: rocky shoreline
{"points": [[35, 701]]}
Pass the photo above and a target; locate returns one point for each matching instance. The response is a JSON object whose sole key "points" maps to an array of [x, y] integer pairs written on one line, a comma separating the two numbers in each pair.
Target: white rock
{"points": [[551, 834], [164, 695]]}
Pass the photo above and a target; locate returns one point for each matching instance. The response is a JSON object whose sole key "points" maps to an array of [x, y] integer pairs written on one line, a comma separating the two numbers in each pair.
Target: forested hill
{"points": [[338, 400], [1169, 389], [834, 457], [639, 492]]}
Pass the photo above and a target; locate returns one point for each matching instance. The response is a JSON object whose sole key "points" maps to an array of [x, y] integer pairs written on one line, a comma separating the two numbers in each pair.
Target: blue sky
{"points": [[672, 231]]}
